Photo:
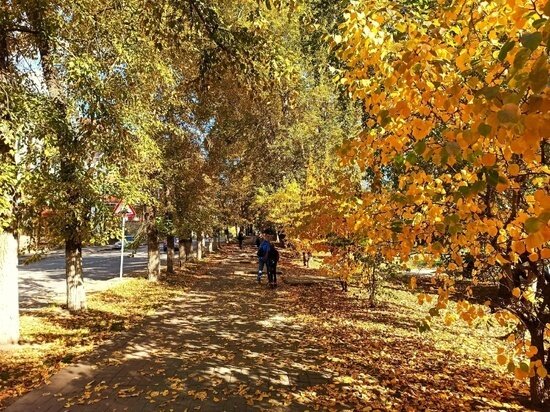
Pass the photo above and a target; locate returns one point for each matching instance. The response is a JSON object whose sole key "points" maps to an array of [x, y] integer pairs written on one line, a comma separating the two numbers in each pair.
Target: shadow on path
{"points": [[223, 346], [231, 344]]}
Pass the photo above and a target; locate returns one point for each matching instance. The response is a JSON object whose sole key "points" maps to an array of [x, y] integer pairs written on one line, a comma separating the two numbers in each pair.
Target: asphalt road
{"points": [[43, 282]]}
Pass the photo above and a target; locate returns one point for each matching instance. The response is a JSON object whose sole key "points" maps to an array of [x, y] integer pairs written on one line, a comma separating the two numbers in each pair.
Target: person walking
{"points": [[240, 237], [263, 252], [272, 259]]}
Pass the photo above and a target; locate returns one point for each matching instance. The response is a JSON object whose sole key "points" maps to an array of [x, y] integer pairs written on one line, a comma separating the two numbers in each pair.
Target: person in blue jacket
{"points": [[263, 251]]}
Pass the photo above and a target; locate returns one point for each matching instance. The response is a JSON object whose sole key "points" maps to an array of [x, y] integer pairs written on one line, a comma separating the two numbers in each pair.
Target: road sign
{"points": [[126, 210]]}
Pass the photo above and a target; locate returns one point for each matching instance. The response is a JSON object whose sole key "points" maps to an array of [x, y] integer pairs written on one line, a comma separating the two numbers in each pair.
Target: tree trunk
{"points": [[153, 255], [539, 387], [9, 300], [199, 246], [188, 247], [9, 293], [214, 241], [170, 254], [76, 295], [210, 244], [68, 144]]}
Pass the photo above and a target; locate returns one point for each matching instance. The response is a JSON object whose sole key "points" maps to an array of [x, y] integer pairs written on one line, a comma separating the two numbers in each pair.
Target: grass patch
{"points": [[52, 337]]}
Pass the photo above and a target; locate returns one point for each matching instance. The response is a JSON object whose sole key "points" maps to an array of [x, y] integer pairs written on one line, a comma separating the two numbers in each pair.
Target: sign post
{"points": [[123, 240], [127, 213]]}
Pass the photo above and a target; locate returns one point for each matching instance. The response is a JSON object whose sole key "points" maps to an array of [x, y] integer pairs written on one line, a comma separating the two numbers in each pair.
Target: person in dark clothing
{"points": [[272, 259], [306, 257], [263, 251], [258, 240], [240, 237]]}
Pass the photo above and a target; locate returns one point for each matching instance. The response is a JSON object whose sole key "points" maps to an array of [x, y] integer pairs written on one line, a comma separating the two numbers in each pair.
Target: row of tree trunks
{"points": [[185, 247]]}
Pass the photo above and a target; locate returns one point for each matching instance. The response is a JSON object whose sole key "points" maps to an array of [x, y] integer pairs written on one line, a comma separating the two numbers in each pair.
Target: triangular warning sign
{"points": [[122, 208]]}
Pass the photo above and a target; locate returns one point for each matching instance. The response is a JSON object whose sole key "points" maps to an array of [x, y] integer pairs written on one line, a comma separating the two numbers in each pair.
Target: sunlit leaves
{"points": [[469, 115]]}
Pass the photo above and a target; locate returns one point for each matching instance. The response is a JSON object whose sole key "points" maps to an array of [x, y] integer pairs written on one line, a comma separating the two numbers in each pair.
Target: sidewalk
{"points": [[223, 346]]}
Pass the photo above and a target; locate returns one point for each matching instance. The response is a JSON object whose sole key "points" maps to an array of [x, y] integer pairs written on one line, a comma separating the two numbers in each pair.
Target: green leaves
{"points": [[538, 77], [531, 40], [420, 147], [509, 113], [505, 49], [484, 129], [521, 58], [532, 225]]}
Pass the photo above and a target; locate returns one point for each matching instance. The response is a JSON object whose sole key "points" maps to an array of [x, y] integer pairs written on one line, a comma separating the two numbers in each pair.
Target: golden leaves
{"points": [[488, 159], [463, 61], [532, 351], [502, 359], [542, 372]]}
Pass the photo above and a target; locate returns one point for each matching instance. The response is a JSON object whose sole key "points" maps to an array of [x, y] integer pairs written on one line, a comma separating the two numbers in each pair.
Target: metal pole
{"points": [[122, 248]]}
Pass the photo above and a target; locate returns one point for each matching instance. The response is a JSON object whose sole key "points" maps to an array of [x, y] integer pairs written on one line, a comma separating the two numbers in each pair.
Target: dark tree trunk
{"points": [[214, 240], [170, 256], [539, 387], [188, 247], [9, 293], [76, 296]]}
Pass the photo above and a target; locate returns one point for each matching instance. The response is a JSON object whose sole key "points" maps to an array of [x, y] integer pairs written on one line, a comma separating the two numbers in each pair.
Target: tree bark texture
{"points": [[76, 294], [539, 387], [214, 240], [199, 246], [153, 254], [9, 299], [9, 293]]}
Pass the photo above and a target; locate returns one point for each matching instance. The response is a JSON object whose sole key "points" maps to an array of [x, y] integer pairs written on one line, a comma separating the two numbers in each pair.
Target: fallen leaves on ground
{"points": [[52, 337], [232, 343], [379, 360]]}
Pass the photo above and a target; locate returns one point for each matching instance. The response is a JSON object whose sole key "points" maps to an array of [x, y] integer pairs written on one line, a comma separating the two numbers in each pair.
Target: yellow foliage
{"points": [[532, 351], [502, 359]]}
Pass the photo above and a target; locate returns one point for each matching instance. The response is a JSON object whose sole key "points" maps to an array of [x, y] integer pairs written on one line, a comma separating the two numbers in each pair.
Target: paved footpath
{"points": [[225, 345]]}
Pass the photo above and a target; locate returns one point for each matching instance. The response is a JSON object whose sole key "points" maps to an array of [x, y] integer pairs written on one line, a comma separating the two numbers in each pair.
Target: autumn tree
{"points": [[455, 96], [9, 308], [93, 77]]}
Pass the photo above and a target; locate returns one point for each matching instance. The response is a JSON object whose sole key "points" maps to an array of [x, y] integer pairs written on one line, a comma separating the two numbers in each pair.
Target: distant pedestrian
{"points": [[240, 237], [306, 257], [263, 252], [282, 238], [226, 232]]}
